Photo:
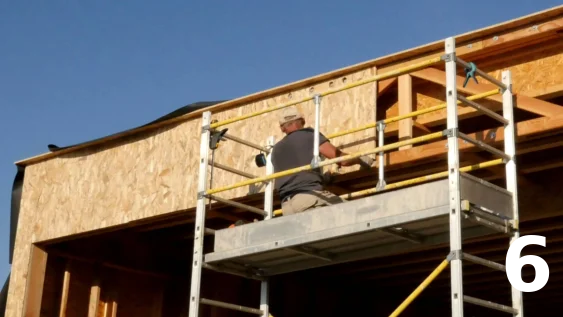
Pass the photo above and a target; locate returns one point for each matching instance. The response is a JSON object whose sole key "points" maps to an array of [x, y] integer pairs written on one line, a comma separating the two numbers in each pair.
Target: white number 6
{"points": [[514, 264]]}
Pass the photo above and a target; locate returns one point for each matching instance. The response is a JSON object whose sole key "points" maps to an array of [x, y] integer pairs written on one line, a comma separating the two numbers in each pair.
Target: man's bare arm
{"points": [[330, 151]]}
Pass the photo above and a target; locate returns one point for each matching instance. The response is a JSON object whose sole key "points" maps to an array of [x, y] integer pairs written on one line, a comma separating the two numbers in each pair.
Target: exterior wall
{"points": [[156, 173]]}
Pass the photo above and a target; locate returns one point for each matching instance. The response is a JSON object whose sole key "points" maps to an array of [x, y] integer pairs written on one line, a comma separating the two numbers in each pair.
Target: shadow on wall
{"points": [[4, 297]]}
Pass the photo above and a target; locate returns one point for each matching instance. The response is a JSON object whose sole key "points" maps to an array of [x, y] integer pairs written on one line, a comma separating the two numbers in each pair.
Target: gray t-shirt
{"points": [[295, 150]]}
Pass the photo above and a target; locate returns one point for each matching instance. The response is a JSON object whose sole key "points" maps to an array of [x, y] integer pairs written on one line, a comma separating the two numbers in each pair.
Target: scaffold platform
{"points": [[388, 223]]}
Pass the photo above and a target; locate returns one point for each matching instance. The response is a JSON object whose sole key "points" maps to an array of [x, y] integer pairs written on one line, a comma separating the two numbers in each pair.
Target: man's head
{"points": [[291, 120]]}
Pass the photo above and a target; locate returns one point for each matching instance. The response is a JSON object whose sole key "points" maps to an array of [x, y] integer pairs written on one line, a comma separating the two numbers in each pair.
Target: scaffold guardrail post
{"points": [[454, 179], [197, 259], [511, 176]]}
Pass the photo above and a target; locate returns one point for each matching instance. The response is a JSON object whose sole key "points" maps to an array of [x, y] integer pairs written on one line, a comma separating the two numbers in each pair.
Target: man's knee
{"points": [[300, 203]]}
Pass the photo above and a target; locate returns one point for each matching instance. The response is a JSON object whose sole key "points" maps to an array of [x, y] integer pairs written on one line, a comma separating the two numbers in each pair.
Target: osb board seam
{"points": [[382, 62]]}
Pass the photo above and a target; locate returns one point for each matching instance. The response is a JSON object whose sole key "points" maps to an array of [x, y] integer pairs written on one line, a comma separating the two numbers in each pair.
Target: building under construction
{"points": [[467, 134]]}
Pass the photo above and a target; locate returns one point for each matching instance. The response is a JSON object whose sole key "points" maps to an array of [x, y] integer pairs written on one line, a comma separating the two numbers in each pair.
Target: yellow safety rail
{"points": [[387, 75], [421, 179], [392, 146], [413, 181], [412, 114]]}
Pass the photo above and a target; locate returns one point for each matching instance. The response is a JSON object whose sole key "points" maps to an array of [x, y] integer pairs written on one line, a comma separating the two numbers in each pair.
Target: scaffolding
{"points": [[461, 203]]}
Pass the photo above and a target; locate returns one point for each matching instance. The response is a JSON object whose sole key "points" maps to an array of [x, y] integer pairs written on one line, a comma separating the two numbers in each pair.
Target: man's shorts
{"points": [[309, 200]]}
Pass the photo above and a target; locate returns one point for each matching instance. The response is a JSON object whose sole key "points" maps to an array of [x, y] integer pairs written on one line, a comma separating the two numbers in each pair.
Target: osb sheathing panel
{"points": [[158, 174]]}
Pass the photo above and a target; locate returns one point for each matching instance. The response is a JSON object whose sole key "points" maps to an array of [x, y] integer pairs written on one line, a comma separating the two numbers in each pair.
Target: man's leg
{"points": [[306, 201], [327, 198], [299, 203]]}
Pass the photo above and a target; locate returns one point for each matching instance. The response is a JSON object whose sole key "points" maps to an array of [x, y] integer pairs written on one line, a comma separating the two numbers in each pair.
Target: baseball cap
{"points": [[289, 114]]}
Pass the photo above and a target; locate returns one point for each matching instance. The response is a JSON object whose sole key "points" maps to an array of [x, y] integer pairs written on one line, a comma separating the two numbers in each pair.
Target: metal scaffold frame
{"points": [[210, 137]]}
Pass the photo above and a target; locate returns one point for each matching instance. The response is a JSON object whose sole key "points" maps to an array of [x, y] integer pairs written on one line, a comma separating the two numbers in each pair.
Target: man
{"points": [[304, 190]]}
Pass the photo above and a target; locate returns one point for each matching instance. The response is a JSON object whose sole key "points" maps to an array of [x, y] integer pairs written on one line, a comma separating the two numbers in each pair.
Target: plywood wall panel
{"points": [[544, 71]]}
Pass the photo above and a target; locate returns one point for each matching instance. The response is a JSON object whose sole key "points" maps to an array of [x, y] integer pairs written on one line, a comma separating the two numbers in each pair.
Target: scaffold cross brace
{"points": [[470, 73]]}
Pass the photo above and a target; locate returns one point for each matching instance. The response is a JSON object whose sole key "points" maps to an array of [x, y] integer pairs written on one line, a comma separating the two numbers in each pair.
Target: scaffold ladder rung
{"points": [[489, 304], [240, 308], [484, 262]]}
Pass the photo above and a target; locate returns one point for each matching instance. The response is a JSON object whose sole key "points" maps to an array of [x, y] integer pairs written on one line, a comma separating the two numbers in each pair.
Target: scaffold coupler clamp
{"points": [[315, 164], [470, 73], [381, 184], [455, 255]]}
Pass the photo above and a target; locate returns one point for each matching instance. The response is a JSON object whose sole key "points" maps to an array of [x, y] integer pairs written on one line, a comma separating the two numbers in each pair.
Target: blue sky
{"points": [[71, 71]]}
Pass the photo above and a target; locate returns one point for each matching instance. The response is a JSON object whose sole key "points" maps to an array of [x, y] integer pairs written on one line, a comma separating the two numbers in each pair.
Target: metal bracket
{"points": [[451, 133], [454, 255], [201, 195], [315, 164], [448, 57], [317, 98], [381, 184], [381, 126], [205, 128]]}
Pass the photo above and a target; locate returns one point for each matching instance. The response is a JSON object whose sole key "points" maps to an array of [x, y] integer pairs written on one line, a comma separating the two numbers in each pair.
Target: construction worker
{"points": [[304, 190]]}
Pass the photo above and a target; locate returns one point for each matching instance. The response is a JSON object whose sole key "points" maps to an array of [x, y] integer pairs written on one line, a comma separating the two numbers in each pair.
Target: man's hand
{"points": [[330, 151]]}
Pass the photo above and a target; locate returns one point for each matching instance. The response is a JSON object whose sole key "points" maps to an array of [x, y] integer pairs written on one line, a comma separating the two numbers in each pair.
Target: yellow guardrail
{"points": [[387, 75], [412, 114], [413, 181], [392, 146]]}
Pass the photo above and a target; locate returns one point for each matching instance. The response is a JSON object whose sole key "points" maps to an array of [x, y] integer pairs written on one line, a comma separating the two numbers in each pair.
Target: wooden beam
{"points": [[110, 303], [384, 85], [533, 105], [538, 106], [548, 92], [110, 265], [554, 163], [94, 303], [421, 126], [405, 107], [65, 289], [35, 280], [492, 137]]}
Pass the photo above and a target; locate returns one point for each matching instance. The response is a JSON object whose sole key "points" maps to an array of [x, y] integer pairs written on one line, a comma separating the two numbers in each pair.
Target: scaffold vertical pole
{"points": [[511, 177], [454, 180], [197, 260], [316, 158], [381, 166], [269, 208]]}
